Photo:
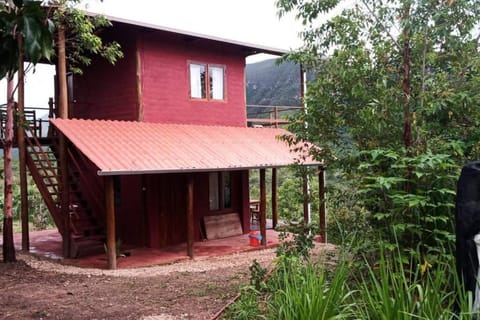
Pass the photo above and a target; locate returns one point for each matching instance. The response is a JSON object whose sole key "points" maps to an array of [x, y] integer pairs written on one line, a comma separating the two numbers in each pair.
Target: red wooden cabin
{"points": [[158, 145]]}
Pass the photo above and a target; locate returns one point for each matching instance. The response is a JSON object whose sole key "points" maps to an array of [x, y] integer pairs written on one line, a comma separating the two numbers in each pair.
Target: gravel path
{"points": [[202, 264], [39, 288]]}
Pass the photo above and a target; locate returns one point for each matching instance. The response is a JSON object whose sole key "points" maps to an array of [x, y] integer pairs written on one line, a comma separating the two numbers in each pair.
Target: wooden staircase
{"points": [[86, 228]]}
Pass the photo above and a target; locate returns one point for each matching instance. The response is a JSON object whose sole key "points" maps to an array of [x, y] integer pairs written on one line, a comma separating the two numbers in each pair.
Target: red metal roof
{"points": [[127, 147]]}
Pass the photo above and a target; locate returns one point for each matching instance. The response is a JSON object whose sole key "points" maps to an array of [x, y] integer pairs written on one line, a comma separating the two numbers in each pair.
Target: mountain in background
{"points": [[272, 84]]}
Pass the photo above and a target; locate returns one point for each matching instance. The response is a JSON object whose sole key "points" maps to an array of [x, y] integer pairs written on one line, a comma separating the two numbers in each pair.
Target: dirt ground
{"points": [[37, 288]]}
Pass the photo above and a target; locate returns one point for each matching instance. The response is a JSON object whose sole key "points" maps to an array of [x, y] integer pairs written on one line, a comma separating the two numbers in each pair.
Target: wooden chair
{"points": [[255, 210]]}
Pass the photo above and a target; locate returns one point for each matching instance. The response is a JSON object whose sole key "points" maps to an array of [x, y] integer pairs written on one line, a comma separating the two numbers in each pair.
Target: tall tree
{"points": [[25, 32], [383, 63], [396, 79]]}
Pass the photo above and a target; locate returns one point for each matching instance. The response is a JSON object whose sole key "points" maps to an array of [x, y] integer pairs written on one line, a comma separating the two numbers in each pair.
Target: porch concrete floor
{"points": [[48, 243]]}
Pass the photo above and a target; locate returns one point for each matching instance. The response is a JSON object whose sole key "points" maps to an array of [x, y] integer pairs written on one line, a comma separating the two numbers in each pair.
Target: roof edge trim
{"points": [[254, 47], [192, 170]]}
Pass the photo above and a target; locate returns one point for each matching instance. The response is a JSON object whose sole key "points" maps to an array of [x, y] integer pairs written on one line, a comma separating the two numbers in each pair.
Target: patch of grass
{"points": [[390, 288]]}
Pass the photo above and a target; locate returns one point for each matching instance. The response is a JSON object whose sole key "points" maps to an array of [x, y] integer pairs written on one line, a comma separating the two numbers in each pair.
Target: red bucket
{"points": [[255, 238]]}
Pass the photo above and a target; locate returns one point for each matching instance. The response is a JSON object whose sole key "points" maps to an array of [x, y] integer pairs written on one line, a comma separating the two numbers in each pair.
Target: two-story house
{"points": [[158, 145]]}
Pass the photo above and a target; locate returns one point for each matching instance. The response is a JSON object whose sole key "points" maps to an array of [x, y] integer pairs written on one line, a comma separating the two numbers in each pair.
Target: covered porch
{"points": [[48, 244], [121, 148]]}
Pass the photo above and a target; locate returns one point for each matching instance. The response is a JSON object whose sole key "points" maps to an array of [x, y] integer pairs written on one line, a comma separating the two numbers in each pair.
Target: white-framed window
{"points": [[207, 88], [219, 191]]}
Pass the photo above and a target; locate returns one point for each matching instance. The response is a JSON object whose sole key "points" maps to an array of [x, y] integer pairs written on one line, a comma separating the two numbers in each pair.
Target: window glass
{"points": [[197, 81], [216, 82], [213, 191], [227, 198]]}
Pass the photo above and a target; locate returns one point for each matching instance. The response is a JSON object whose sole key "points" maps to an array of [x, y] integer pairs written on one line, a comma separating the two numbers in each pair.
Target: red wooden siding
{"points": [[165, 211], [165, 208], [110, 92], [130, 212], [166, 83], [105, 91], [151, 209]]}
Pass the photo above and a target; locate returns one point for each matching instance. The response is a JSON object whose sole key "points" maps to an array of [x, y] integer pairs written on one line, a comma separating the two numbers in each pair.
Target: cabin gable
{"points": [[152, 82]]}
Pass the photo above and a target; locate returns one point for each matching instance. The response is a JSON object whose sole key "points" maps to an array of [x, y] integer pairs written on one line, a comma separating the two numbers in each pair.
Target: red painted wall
{"points": [[166, 83], [165, 209], [110, 92], [106, 91], [131, 220]]}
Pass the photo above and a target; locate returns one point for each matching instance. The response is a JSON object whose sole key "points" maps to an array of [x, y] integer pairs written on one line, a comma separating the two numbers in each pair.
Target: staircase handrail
{"points": [[45, 156], [93, 191]]}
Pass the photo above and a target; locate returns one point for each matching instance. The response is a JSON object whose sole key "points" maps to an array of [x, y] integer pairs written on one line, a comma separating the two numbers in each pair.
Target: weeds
{"points": [[391, 288]]}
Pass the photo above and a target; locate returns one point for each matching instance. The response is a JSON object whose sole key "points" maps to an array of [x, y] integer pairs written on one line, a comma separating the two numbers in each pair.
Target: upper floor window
{"points": [[208, 88]]}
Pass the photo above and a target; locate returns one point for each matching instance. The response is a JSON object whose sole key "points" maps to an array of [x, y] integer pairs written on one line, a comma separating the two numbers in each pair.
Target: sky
{"points": [[251, 21]]}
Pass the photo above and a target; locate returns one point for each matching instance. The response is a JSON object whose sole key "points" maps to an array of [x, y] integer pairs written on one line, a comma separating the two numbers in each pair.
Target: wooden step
{"points": [[88, 248]]}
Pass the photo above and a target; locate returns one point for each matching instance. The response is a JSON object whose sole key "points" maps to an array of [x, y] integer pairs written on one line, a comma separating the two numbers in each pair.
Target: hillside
{"points": [[272, 84]]}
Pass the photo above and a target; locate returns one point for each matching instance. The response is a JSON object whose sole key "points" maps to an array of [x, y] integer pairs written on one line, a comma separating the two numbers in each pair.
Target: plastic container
{"points": [[255, 238]]}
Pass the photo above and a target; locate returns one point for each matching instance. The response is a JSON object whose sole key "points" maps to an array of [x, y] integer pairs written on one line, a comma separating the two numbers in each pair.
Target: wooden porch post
{"points": [[322, 205], [110, 217], [305, 198], [63, 114], [22, 151], [274, 198], [190, 218], [263, 207]]}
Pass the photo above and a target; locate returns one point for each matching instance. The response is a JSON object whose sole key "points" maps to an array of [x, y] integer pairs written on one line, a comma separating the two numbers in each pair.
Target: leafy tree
{"points": [[27, 30], [26, 33], [82, 41], [398, 77]]}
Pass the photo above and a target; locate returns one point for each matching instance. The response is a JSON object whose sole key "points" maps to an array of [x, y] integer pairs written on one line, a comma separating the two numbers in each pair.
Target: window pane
{"points": [[197, 81], [213, 191], [227, 197], [216, 82]]}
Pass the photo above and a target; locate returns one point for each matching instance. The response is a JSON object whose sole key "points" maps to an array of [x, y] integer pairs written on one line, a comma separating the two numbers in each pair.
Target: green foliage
{"points": [[28, 20], [423, 217], [394, 290], [348, 218], [296, 241], [257, 275], [246, 307], [36, 25], [290, 199], [387, 289], [290, 194], [309, 292], [357, 101], [39, 216], [82, 41], [382, 67]]}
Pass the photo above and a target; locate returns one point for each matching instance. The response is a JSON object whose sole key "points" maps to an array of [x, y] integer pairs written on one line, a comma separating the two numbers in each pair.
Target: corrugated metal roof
{"points": [[127, 147]]}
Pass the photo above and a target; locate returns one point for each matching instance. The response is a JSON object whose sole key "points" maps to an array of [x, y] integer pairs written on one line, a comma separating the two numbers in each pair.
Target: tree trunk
{"points": [[407, 116], [8, 245], [22, 165], [63, 113]]}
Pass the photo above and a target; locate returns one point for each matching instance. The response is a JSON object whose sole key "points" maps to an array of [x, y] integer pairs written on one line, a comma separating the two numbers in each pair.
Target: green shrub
{"points": [[308, 292]]}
